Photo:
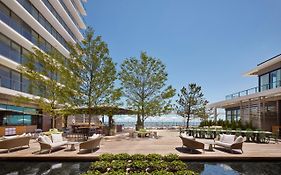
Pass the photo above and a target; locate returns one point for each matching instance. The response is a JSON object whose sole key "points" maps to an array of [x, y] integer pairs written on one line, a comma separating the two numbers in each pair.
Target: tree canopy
{"points": [[144, 84], [191, 103], [97, 72], [49, 77]]}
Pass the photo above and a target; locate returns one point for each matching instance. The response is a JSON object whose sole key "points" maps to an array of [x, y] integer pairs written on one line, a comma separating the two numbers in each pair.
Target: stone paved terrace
{"points": [[168, 142]]}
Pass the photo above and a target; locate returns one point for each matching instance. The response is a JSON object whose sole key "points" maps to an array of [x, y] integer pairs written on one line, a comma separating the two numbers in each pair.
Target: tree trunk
{"points": [[187, 121], [53, 122], [89, 116], [139, 124]]}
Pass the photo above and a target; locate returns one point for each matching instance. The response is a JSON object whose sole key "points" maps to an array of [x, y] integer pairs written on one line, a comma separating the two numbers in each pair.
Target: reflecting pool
{"points": [[204, 168]]}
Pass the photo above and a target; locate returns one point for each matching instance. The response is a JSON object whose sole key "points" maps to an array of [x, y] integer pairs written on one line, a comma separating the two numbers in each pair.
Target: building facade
{"points": [[260, 105], [24, 24]]}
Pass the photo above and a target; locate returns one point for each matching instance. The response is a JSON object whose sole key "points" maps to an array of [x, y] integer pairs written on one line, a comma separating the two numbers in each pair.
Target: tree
{"points": [[191, 103], [49, 77], [97, 73], [144, 85]]}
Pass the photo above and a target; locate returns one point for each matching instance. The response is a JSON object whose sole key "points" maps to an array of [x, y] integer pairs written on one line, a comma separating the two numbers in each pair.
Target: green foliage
{"points": [[171, 157], [144, 84], [158, 165], [191, 103], [122, 156], [92, 173], [97, 72], [119, 172], [162, 172], [138, 164], [226, 124], [119, 165], [138, 157], [51, 77], [186, 172], [154, 157], [177, 165], [107, 157], [100, 166]]}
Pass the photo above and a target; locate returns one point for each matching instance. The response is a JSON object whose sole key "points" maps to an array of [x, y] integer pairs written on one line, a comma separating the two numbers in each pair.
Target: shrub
{"points": [[186, 172], [157, 165], [162, 172], [91, 173], [122, 156], [177, 165], [153, 157], [171, 157], [106, 157], [138, 157], [139, 165], [100, 166], [119, 165], [119, 172]]}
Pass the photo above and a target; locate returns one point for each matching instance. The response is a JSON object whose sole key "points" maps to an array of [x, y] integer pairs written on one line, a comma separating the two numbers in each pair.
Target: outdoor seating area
{"points": [[250, 135], [167, 142]]}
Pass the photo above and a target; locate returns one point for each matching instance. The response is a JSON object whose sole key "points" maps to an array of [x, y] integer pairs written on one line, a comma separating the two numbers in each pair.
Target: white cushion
{"points": [[57, 138], [239, 139], [94, 136], [221, 137], [10, 137], [42, 139], [189, 137], [22, 135], [28, 134], [228, 138], [48, 140], [227, 145]]}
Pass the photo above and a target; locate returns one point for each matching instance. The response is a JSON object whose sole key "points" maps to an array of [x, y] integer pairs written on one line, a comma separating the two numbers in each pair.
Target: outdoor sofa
{"points": [[191, 143], [50, 144], [92, 143], [230, 142], [15, 142]]}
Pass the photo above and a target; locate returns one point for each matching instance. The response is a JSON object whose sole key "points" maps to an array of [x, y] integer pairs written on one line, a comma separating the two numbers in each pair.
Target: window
{"points": [[5, 80], [4, 45], [15, 53], [26, 85], [34, 37], [4, 9], [264, 82], [16, 81]]}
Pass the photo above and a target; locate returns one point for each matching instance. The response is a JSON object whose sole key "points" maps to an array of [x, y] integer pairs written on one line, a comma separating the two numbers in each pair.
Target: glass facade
{"points": [[54, 12], [43, 21], [270, 80], [16, 116], [233, 114]]}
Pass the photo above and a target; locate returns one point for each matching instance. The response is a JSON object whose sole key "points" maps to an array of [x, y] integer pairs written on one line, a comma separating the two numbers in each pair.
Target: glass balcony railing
{"points": [[254, 90]]}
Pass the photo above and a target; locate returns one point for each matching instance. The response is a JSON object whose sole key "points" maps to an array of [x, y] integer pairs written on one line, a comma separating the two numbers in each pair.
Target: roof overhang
{"points": [[266, 94], [270, 62]]}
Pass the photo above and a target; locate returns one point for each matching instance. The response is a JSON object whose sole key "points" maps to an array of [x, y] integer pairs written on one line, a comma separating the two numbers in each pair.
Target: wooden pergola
{"points": [[109, 111]]}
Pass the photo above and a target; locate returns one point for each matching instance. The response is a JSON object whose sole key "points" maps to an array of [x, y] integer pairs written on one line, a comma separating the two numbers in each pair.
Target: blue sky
{"points": [[211, 43]]}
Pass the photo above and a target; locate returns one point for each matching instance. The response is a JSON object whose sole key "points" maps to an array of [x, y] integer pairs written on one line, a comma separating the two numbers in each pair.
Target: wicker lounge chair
{"points": [[230, 142], [90, 144], [15, 142], [47, 144], [191, 143]]}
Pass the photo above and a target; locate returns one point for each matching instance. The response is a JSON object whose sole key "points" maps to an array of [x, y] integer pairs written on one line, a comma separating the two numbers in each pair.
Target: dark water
{"points": [[204, 168]]}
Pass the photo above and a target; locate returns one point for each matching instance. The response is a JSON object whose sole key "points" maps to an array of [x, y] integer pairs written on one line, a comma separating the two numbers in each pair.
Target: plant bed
{"points": [[139, 164]]}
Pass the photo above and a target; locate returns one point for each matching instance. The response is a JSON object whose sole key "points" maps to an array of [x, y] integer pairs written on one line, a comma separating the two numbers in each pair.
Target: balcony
{"points": [[254, 90]]}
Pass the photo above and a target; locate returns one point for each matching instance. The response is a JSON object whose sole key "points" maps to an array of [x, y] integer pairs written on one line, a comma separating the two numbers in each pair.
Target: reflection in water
{"points": [[204, 168], [44, 168], [233, 168]]}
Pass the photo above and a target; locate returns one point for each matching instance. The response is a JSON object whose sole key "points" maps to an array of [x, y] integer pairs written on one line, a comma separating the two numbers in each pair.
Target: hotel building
{"points": [[260, 105], [24, 24]]}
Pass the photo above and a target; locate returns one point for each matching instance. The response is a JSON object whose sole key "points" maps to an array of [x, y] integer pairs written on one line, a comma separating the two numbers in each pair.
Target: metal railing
{"points": [[254, 90]]}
